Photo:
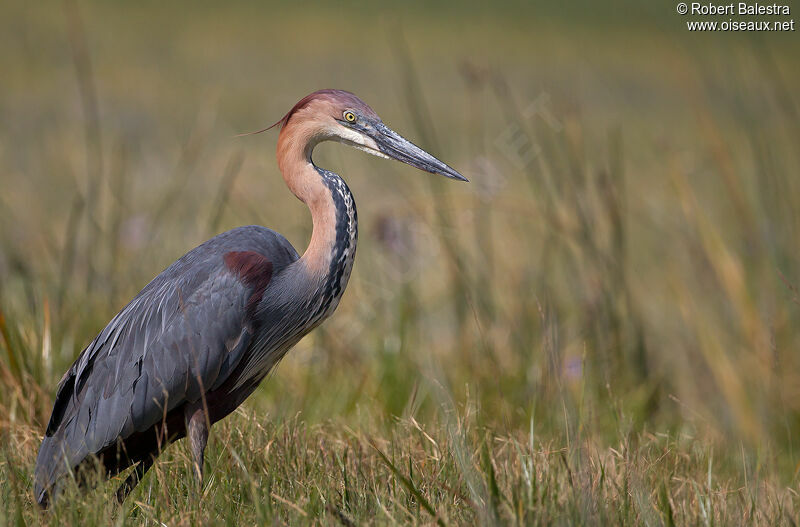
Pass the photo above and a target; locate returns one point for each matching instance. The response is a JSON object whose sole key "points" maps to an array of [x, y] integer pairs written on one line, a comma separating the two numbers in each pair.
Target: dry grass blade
{"points": [[409, 485]]}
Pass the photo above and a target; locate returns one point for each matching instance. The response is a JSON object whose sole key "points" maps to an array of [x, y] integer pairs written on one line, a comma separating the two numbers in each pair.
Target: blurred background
{"points": [[624, 258]]}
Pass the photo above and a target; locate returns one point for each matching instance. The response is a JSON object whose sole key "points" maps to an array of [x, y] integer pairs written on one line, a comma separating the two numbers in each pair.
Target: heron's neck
{"points": [[330, 252]]}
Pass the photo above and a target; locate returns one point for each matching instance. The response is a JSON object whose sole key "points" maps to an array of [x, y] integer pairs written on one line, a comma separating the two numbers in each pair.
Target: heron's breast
{"points": [[300, 297]]}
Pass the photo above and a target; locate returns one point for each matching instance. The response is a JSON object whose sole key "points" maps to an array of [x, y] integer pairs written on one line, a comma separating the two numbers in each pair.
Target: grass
{"points": [[600, 328]]}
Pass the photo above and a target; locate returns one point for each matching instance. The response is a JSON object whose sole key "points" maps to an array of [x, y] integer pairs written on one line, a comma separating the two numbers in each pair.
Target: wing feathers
{"points": [[185, 333]]}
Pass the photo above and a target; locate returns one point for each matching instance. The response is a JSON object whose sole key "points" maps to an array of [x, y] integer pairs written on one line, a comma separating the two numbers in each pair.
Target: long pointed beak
{"points": [[397, 147]]}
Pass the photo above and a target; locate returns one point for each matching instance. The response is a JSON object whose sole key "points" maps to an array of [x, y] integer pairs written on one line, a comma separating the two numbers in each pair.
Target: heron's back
{"points": [[183, 333]]}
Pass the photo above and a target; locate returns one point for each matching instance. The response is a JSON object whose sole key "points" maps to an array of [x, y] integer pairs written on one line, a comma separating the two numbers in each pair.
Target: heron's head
{"points": [[337, 115]]}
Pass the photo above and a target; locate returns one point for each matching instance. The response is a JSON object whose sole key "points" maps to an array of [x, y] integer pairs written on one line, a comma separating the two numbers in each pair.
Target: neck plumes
{"points": [[330, 252]]}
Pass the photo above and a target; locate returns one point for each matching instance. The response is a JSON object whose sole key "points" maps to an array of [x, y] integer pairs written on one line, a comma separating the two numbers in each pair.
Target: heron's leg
{"points": [[197, 434], [134, 478]]}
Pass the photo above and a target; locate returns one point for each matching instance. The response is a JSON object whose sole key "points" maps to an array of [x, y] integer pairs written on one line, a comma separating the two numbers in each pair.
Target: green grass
{"points": [[602, 327]]}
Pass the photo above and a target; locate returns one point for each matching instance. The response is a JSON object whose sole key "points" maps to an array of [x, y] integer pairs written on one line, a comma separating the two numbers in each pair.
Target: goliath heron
{"points": [[199, 338]]}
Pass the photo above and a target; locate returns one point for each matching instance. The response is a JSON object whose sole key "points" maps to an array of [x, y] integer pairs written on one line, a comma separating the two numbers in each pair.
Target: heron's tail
{"points": [[51, 464]]}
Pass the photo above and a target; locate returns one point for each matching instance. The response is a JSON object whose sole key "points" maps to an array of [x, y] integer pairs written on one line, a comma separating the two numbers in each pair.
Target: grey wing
{"points": [[158, 353], [181, 336]]}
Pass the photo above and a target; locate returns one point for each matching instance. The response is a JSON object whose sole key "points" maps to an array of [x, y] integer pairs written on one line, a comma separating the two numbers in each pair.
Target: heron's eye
{"points": [[350, 117]]}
